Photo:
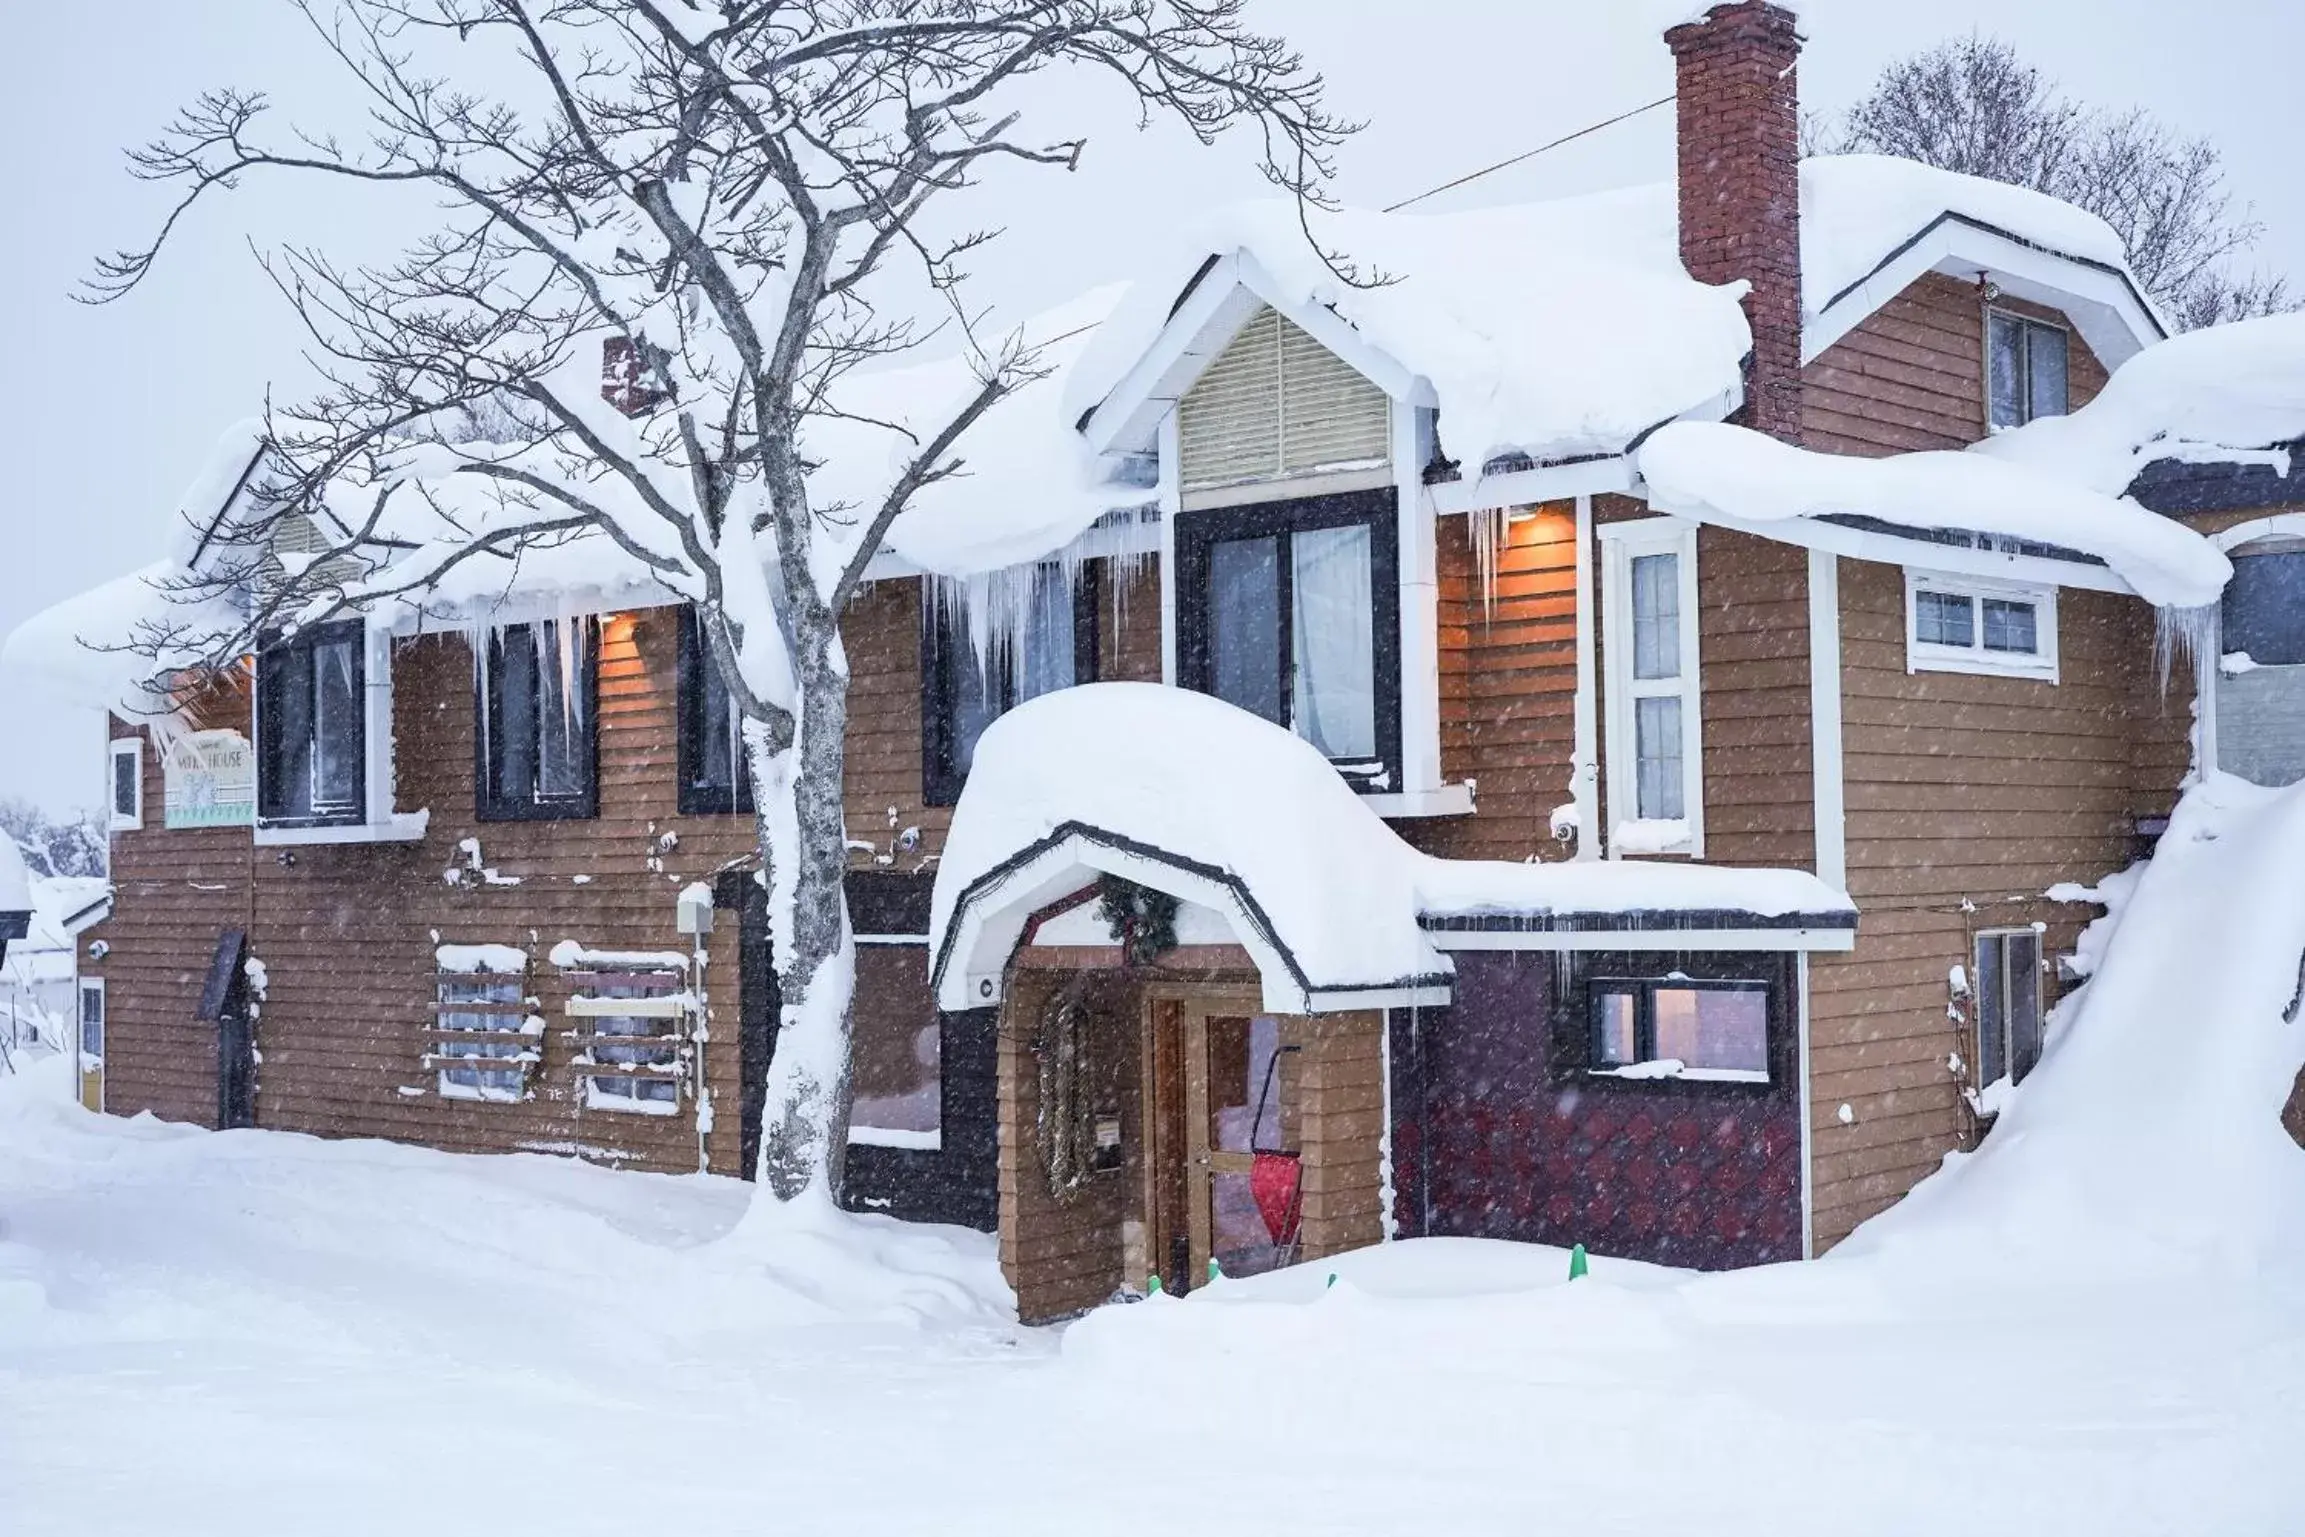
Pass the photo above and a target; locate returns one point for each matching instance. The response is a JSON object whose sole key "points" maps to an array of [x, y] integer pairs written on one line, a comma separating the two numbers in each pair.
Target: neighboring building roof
{"points": [[1183, 792], [15, 891], [2205, 421], [1717, 472]]}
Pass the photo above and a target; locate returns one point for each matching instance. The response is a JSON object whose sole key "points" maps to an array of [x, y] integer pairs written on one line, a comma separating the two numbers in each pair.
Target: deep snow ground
{"points": [[253, 1333], [2095, 1325]]}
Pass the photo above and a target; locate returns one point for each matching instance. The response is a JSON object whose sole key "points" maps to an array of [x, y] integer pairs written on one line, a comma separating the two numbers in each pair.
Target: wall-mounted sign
{"points": [[211, 780]]}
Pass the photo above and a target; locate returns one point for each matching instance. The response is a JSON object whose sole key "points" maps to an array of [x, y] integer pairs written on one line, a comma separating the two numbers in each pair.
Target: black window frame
{"points": [[275, 654], [491, 803], [943, 653], [1197, 533], [695, 674], [2015, 1064], [1592, 973], [2028, 327]]}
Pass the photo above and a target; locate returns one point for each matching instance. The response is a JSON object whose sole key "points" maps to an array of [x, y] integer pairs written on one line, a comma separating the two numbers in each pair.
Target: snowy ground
{"points": [[253, 1333]]}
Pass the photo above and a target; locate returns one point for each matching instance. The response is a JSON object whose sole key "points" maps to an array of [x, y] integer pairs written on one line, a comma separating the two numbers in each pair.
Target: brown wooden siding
{"points": [[1912, 374], [1508, 687], [1336, 1099], [175, 893], [881, 633], [1753, 664], [1968, 797]]}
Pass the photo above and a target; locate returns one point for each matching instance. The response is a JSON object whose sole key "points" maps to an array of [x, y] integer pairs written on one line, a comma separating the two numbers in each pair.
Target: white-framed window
{"points": [[2025, 369], [2007, 1037], [1697, 1030], [124, 794], [486, 1037], [631, 1036], [1963, 624], [1656, 782], [90, 1042]]}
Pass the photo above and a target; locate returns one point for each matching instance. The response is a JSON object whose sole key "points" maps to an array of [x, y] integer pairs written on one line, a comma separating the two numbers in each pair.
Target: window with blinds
{"points": [[1276, 403]]}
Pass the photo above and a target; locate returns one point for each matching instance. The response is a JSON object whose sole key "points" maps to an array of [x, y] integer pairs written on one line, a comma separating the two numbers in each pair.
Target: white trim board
{"points": [[1828, 789], [1644, 939]]}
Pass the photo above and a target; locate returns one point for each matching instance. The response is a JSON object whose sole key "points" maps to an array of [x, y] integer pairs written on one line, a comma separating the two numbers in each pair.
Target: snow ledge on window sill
{"points": [[1647, 1072], [887, 1136], [1442, 801], [401, 827]]}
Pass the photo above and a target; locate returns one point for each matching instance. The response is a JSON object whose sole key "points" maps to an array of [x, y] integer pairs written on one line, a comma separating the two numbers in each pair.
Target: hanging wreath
{"points": [[1143, 921], [1067, 1115]]}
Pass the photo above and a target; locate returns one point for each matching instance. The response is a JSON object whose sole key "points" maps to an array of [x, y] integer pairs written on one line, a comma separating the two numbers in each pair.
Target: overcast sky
{"points": [[105, 414]]}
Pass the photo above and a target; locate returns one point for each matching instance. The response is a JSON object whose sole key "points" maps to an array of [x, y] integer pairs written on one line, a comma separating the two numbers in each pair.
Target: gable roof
{"points": [[1555, 330]]}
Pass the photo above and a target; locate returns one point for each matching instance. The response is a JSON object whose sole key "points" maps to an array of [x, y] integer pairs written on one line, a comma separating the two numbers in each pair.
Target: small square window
{"points": [[1944, 619], [2010, 626], [1964, 624]]}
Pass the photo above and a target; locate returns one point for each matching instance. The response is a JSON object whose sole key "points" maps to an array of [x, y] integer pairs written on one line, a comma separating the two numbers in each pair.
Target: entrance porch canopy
{"points": [[1187, 795]]}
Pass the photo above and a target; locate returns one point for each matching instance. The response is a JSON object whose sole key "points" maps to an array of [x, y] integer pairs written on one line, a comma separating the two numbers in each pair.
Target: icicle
{"points": [[2187, 632], [1489, 529]]}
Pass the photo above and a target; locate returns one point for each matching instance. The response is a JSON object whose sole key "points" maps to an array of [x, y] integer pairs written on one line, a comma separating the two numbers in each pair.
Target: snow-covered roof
{"points": [[62, 905], [15, 885], [1549, 330], [2229, 394], [1716, 472], [1569, 327], [1181, 791]]}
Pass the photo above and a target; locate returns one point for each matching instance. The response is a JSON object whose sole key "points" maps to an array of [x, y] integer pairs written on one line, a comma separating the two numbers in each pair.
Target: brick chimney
{"points": [[1739, 105]]}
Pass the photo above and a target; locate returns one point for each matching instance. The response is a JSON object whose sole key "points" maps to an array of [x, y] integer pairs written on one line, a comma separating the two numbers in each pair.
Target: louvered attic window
{"points": [[1277, 403]]}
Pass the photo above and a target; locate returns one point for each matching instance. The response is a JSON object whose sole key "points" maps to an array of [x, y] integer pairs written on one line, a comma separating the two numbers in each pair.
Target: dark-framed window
{"points": [[1677, 1022], [536, 751], [311, 727], [1291, 610], [1054, 646], [713, 780], [2008, 1004], [2026, 364]]}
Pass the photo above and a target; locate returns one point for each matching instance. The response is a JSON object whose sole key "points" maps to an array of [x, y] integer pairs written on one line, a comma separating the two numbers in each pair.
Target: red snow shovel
{"points": [[1276, 1176]]}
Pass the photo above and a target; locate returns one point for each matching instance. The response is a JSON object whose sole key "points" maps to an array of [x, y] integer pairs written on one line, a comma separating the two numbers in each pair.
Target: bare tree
{"points": [[748, 199], [74, 844], [1975, 106]]}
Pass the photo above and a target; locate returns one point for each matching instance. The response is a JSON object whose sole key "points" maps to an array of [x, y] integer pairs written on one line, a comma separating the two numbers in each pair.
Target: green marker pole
{"points": [[1152, 1285], [1576, 1261]]}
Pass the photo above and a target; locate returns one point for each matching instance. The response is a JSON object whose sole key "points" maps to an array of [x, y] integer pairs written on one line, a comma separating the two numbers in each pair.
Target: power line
{"points": [[1566, 138]]}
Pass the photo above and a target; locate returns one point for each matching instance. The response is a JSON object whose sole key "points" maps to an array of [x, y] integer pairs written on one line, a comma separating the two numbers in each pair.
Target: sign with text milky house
{"points": [[211, 780]]}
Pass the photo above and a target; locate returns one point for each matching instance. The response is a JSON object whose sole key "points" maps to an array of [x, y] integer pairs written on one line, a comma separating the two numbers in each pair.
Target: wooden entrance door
{"points": [[1224, 1091]]}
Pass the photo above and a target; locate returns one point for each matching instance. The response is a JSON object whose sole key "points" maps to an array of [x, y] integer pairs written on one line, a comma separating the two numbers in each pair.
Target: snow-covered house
{"points": [[1578, 751], [40, 990]]}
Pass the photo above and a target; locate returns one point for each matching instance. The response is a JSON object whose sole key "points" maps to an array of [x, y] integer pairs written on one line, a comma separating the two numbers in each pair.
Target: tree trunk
{"points": [[804, 852]]}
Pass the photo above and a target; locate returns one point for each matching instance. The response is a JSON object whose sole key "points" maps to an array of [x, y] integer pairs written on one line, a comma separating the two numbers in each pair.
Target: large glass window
{"points": [[896, 1047], [1289, 611], [2026, 369], [311, 735], [2264, 608], [713, 775], [1680, 1027], [1050, 645], [536, 751]]}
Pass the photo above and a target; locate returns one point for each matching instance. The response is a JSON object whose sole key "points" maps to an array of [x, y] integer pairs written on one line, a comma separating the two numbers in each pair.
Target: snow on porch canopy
{"points": [[1187, 794]]}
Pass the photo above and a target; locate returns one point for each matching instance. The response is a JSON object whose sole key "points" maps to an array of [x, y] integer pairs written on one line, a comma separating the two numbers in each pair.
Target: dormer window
{"points": [[1291, 610], [2025, 368], [311, 728]]}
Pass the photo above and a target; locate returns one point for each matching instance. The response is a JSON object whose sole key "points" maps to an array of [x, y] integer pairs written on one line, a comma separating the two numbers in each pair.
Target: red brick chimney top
{"points": [[1739, 108]]}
